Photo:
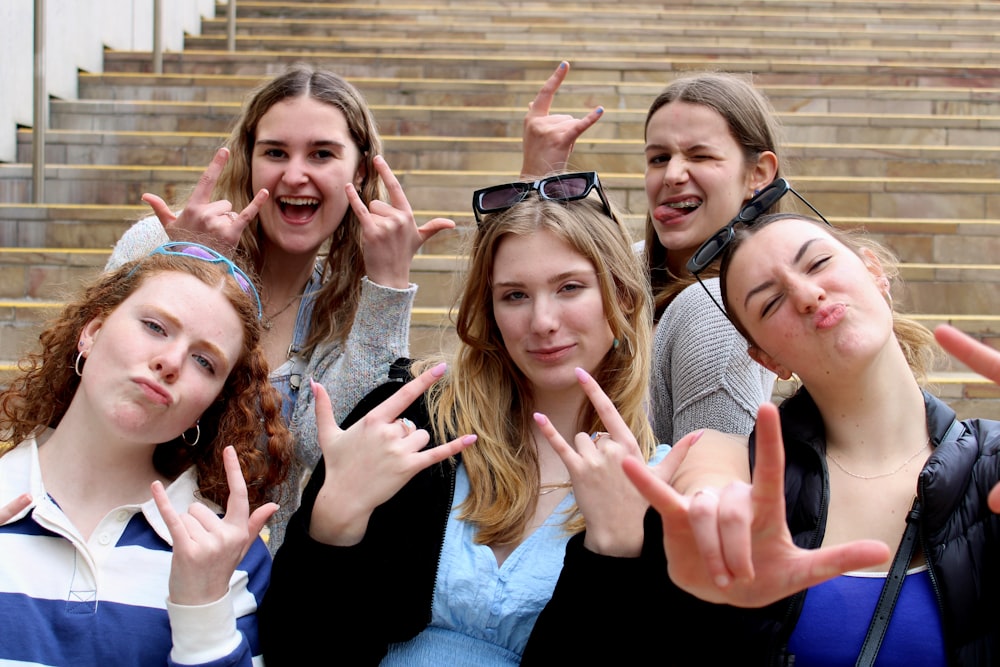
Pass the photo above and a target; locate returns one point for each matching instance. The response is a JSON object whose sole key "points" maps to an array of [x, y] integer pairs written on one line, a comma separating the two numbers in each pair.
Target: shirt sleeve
{"points": [[138, 241]]}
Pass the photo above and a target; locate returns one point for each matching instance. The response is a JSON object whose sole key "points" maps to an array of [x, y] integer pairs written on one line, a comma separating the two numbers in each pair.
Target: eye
{"points": [[571, 287], [818, 263], [513, 296], [274, 153], [770, 305], [153, 326], [205, 363], [658, 159]]}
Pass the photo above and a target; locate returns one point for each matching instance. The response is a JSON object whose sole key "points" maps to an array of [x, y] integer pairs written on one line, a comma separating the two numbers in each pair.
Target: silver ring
{"points": [[708, 491], [408, 426], [233, 215]]}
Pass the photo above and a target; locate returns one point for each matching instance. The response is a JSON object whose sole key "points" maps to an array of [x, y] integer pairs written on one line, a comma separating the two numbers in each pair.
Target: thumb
{"points": [[160, 208], [432, 227]]}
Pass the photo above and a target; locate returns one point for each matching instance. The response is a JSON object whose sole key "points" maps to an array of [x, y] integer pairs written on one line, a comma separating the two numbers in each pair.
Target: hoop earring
{"points": [[197, 437], [76, 364]]}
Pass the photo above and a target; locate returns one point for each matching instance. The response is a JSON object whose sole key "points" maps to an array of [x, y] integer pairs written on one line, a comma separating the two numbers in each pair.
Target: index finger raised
{"points": [[202, 192], [399, 401], [238, 505], [543, 100]]}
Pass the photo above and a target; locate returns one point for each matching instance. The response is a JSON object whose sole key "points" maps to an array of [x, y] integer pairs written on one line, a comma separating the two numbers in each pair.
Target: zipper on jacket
{"points": [[444, 530]]}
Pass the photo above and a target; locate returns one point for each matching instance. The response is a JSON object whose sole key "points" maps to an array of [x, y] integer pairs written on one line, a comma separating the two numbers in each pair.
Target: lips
{"points": [[830, 316], [154, 392], [298, 209], [672, 211], [549, 354]]}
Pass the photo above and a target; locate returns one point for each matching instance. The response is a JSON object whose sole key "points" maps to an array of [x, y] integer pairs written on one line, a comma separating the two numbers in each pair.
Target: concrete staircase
{"points": [[890, 110]]}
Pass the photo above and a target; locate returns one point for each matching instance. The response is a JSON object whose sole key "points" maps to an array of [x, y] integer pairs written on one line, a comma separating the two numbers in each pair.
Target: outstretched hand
{"points": [[391, 234], [746, 559], [548, 139], [370, 462], [201, 215], [207, 549], [981, 358]]}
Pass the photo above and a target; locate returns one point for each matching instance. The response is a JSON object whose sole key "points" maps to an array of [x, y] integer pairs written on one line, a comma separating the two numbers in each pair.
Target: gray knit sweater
{"points": [[702, 375], [380, 335]]}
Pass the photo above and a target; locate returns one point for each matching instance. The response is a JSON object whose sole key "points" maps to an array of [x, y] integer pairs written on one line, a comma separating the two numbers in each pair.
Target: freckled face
{"points": [[162, 356], [304, 156], [548, 307], [696, 177], [807, 300]]}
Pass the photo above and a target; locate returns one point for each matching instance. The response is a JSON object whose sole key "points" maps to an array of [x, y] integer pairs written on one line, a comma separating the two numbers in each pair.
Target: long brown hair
{"points": [[245, 415], [752, 123], [343, 266]]}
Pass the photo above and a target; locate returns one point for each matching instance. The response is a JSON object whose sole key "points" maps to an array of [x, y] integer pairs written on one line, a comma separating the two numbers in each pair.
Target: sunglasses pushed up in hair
{"points": [[712, 248], [202, 252], [561, 187]]}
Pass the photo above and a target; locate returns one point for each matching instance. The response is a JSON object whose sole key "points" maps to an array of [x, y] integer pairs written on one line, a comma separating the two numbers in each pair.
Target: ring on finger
{"points": [[408, 426], [233, 215], [708, 491], [597, 435]]}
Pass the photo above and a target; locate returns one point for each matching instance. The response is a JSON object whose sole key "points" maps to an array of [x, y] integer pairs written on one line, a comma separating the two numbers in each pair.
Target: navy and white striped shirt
{"points": [[65, 600]]}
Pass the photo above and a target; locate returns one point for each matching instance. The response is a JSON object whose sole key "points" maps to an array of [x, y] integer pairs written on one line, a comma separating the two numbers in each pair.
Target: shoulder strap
{"points": [[890, 590]]}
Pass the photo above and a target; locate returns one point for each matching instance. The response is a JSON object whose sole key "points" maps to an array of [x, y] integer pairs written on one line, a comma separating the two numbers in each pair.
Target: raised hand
{"points": [[370, 462], [745, 559], [548, 139], [13, 507], [981, 358], [201, 215], [207, 549], [611, 505], [391, 235]]}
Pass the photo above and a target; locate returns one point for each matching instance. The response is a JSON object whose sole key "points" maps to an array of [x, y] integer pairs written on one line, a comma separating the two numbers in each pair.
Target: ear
{"points": [[361, 173], [89, 334], [768, 362], [874, 267], [764, 171]]}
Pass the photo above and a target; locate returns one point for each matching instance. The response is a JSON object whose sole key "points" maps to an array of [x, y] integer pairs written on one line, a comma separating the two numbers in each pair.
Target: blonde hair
{"points": [[485, 393]]}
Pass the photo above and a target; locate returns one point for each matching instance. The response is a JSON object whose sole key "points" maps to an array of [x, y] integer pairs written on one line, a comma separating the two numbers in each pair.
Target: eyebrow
{"points": [[212, 348], [565, 275], [763, 286], [320, 142]]}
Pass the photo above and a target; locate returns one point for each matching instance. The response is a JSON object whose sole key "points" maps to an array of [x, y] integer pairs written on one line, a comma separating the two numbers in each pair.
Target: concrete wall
{"points": [[77, 33]]}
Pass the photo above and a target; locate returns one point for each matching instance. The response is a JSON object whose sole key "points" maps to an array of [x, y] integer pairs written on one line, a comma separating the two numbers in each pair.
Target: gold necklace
{"points": [[884, 474], [549, 488], [269, 319]]}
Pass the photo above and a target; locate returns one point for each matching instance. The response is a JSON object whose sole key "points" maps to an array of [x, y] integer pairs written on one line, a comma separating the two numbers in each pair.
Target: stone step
{"points": [[577, 93], [535, 68], [451, 190], [505, 123], [504, 153], [684, 24]]}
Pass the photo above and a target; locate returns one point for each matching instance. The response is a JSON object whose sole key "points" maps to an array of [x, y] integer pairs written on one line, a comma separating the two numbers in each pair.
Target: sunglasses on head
{"points": [[198, 251], [712, 248], [561, 187]]}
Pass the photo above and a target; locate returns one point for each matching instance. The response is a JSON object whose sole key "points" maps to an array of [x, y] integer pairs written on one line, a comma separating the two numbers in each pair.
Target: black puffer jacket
{"points": [[959, 534]]}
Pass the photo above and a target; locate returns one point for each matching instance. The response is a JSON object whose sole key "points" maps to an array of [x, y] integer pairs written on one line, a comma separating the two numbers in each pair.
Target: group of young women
{"points": [[512, 502]]}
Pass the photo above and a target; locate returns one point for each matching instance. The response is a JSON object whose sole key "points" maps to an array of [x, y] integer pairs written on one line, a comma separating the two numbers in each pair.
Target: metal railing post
{"points": [[41, 112], [157, 37], [231, 25]]}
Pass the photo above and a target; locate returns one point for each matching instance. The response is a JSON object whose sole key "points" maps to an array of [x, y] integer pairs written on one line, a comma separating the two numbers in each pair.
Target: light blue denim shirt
{"points": [[483, 613]]}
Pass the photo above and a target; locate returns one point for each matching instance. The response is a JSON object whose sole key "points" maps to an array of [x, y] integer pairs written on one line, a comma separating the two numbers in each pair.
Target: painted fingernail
{"points": [[439, 370]]}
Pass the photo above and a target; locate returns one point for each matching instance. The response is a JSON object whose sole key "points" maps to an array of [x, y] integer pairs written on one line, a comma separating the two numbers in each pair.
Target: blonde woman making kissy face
{"points": [[866, 454], [711, 143], [521, 486], [302, 190]]}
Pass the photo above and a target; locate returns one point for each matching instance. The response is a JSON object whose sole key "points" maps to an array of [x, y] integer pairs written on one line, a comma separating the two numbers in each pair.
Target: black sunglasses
{"points": [[561, 187], [710, 250]]}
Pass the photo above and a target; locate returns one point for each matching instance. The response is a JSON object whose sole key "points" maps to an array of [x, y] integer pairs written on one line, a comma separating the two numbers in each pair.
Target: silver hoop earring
{"points": [[197, 436], [76, 364]]}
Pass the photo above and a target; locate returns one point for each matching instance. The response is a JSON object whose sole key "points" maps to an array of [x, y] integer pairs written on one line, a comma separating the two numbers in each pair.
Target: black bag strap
{"points": [[890, 590]]}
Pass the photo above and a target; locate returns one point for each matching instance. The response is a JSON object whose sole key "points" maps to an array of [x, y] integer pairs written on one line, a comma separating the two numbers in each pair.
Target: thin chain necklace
{"points": [[549, 488], [269, 319], [884, 474]]}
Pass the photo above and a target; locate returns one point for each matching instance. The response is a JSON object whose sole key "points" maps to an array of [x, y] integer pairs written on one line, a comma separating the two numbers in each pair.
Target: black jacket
{"points": [[959, 534], [347, 604]]}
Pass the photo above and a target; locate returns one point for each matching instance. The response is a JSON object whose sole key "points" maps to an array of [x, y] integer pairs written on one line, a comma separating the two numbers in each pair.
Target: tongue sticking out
{"points": [[667, 214]]}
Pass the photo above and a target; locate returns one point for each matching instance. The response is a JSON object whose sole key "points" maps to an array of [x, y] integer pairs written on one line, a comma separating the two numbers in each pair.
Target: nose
{"points": [[675, 172], [806, 295], [167, 364], [296, 171], [544, 316]]}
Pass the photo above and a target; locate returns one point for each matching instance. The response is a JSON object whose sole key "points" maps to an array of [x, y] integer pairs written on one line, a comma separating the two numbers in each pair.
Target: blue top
{"points": [[913, 637], [482, 611]]}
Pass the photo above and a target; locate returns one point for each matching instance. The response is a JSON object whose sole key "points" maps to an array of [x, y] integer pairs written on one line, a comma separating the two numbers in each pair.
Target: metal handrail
{"points": [[41, 106]]}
